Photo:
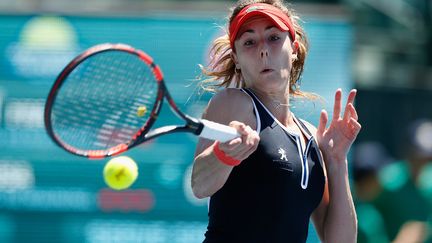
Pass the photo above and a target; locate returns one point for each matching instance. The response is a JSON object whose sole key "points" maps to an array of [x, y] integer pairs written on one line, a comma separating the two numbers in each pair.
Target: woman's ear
{"points": [[235, 60]]}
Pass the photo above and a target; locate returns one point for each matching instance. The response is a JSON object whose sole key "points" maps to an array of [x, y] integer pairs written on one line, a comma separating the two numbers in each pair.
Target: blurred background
{"points": [[381, 47]]}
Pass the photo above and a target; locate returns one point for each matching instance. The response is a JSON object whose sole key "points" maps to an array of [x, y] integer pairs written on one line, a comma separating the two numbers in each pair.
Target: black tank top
{"points": [[271, 195]]}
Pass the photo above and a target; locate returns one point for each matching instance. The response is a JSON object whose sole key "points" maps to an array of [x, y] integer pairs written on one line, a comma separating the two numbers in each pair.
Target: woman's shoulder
{"points": [[230, 104], [230, 99]]}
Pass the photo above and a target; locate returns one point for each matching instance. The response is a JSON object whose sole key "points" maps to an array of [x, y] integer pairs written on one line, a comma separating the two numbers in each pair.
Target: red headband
{"points": [[277, 16]]}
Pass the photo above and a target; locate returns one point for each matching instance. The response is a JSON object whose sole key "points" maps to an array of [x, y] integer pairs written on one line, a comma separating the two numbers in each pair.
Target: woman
{"points": [[265, 185]]}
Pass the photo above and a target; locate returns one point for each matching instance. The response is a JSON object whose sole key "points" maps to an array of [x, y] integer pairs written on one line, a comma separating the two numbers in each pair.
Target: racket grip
{"points": [[216, 131]]}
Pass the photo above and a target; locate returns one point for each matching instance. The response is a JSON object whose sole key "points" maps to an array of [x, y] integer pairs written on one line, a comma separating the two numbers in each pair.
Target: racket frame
{"points": [[192, 125]]}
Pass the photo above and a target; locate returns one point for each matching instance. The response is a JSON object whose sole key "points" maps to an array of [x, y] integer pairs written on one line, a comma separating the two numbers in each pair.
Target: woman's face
{"points": [[264, 55]]}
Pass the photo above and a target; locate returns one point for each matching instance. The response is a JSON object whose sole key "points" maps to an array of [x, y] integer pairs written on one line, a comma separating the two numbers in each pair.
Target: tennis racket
{"points": [[106, 100]]}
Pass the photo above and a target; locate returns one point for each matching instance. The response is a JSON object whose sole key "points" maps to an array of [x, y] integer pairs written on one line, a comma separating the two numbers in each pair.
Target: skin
{"points": [[264, 54]]}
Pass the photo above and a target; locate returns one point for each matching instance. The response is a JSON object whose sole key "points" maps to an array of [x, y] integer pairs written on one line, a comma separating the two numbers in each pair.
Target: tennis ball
{"points": [[120, 172], [141, 111]]}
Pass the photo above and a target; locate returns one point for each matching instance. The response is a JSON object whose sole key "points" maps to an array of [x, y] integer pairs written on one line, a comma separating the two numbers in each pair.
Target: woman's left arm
{"points": [[335, 218]]}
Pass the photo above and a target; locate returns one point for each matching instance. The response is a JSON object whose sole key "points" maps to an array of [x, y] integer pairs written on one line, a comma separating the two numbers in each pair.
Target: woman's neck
{"points": [[278, 104]]}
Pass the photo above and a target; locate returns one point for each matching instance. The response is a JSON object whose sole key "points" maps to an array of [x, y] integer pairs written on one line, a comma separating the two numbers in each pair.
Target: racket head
{"points": [[104, 101]]}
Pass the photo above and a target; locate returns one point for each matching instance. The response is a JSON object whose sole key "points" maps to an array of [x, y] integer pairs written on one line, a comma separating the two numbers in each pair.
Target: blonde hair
{"points": [[222, 70]]}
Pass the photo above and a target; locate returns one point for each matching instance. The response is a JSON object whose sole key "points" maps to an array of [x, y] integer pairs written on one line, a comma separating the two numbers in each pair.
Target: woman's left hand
{"points": [[336, 140]]}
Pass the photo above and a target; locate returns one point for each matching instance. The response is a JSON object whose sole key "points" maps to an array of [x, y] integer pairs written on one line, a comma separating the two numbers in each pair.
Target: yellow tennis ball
{"points": [[120, 172], [141, 111]]}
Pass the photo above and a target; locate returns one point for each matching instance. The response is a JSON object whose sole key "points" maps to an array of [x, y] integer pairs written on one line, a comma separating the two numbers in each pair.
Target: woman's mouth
{"points": [[266, 70]]}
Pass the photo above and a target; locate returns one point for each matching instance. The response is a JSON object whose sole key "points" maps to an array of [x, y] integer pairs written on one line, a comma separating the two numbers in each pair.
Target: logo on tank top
{"points": [[282, 160], [282, 153]]}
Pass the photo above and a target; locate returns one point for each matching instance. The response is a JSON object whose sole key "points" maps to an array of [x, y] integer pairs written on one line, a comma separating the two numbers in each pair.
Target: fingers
{"points": [[242, 129], [352, 111], [322, 122], [351, 96], [349, 108], [240, 148], [348, 112], [337, 104], [354, 126], [245, 154], [243, 150]]}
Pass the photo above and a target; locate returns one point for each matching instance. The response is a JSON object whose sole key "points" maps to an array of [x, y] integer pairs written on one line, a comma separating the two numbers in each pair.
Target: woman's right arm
{"points": [[234, 108]]}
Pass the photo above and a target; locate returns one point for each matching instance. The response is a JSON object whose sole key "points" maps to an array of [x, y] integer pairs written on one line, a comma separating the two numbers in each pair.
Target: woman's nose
{"points": [[264, 52]]}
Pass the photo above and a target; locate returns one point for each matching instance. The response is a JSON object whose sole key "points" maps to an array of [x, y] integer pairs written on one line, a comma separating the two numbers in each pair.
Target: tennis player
{"points": [[266, 185]]}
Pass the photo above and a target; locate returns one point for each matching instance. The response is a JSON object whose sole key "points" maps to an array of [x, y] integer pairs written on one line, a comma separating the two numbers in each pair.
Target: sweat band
{"points": [[222, 157]]}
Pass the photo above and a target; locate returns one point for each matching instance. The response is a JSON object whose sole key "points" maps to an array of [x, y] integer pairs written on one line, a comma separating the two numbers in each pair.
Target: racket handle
{"points": [[216, 131]]}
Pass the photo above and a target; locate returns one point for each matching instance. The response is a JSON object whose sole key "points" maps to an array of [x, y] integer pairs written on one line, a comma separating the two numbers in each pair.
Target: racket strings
{"points": [[104, 101]]}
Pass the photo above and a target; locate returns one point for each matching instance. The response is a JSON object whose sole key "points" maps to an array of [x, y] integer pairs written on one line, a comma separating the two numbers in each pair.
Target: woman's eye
{"points": [[249, 42], [274, 38]]}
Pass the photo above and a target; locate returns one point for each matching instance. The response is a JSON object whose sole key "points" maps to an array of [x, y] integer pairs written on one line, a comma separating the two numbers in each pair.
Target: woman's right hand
{"points": [[242, 147]]}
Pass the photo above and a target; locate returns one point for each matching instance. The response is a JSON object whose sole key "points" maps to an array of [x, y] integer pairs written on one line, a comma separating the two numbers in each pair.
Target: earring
{"points": [[295, 46], [295, 50]]}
